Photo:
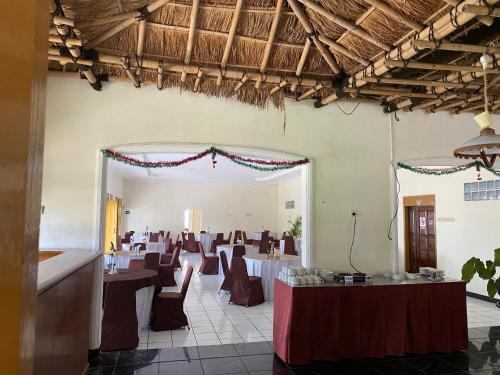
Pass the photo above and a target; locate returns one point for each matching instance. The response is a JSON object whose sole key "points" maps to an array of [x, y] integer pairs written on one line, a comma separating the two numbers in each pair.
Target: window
{"points": [[482, 191]]}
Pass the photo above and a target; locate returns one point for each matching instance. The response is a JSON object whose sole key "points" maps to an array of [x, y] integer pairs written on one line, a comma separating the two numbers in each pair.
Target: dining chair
{"points": [[264, 244], [184, 241], [276, 244], [227, 284], [209, 263], [289, 246], [247, 290], [168, 307], [151, 261], [283, 235], [215, 243], [166, 271], [228, 241], [167, 257], [119, 243], [239, 251], [237, 236], [162, 233], [126, 239], [191, 243], [168, 248], [154, 237]]}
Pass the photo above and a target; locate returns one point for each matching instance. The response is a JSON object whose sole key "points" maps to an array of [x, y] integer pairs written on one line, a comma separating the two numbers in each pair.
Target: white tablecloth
{"points": [[206, 240], [258, 235], [150, 246], [139, 238], [259, 265], [122, 259], [143, 302], [249, 250]]}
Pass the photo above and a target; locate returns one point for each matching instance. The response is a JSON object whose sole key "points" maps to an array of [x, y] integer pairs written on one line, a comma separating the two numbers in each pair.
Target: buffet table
{"points": [[387, 318], [127, 300], [267, 269], [249, 250]]}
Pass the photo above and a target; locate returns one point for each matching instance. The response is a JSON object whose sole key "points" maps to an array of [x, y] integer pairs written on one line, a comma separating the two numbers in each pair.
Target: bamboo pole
{"points": [[140, 44], [270, 39], [125, 63], [60, 20], [360, 20], [488, 21], [419, 82], [159, 82], [120, 6], [344, 23], [485, 19], [278, 87], [441, 27], [303, 57], [240, 83], [299, 13], [310, 92], [197, 82], [435, 101], [70, 42], [482, 11], [401, 94], [387, 10], [340, 49], [68, 60], [230, 37], [133, 17], [444, 46], [190, 41], [478, 106], [443, 67]]}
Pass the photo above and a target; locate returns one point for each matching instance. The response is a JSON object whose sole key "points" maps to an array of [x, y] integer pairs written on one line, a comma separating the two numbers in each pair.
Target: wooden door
{"points": [[111, 223], [422, 237]]}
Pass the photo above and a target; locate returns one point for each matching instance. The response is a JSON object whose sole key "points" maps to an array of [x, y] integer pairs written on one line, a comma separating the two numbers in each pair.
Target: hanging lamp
{"points": [[487, 146]]}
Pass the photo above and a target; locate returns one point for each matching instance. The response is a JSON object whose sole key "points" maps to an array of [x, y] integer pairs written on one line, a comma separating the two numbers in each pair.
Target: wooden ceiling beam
{"points": [[461, 47], [270, 39], [190, 41], [306, 24], [430, 66], [486, 19], [159, 81], [125, 63], [344, 23], [435, 101], [310, 92], [278, 87], [230, 37], [132, 17], [140, 44], [69, 42], [241, 83], [341, 49], [357, 22], [302, 61], [419, 82], [442, 27], [197, 82], [476, 107], [387, 10]]}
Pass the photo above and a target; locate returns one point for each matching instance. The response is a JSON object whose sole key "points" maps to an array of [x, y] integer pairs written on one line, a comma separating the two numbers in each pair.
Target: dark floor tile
{"points": [[144, 369], [468, 362], [433, 365], [355, 369], [491, 358], [216, 351], [179, 354], [315, 369], [262, 362], [395, 367], [181, 368], [253, 348], [484, 345], [109, 358], [137, 357], [219, 366], [101, 370]]}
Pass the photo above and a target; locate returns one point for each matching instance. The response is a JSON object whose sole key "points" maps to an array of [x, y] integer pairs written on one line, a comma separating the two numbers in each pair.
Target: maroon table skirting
{"points": [[119, 322], [331, 323]]}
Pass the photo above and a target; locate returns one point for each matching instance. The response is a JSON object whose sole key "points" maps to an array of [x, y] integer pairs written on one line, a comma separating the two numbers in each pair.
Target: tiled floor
{"points": [[482, 357], [213, 321]]}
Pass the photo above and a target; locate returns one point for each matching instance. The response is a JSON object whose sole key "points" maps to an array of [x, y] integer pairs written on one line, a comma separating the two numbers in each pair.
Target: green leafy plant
{"points": [[485, 270], [295, 229]]}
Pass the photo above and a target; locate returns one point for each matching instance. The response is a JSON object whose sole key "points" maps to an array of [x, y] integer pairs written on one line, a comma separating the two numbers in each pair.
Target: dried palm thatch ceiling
{"points": [[413, 54]]}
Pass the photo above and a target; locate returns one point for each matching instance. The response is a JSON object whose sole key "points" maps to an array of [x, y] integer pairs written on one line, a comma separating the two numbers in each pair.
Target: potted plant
{"points": [[295, 229], [485, 270]]}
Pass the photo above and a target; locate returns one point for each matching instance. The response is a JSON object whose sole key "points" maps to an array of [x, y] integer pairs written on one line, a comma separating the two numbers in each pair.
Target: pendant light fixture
{"points": [[487, 146]]}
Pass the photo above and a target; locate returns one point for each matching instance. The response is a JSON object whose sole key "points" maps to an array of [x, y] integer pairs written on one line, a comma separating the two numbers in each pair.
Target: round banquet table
{"points": [[127, 300], [249, 250], [150, 246], [206, 240], [268, 269]]}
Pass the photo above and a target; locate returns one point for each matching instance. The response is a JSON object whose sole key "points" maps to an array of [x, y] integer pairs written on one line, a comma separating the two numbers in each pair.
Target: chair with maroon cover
{"points": [[276, 244], [154, 237], [289, 246], [191, 243], [227, 284], [184, 241], [162, 233], [228, 241], [168, 246], [246, 240], [237, 236], [239, 251], [168, 308], [119, 242], [166, 271], [141, 246], [247, 290], [151, 261], [126, 239], [167, 258], [209, 263], [264, 244], [218, 241]]}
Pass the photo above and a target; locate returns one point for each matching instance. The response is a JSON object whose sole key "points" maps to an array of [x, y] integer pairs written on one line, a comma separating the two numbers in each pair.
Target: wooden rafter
{"points": [[482, 11], [387, 10], [345, 24], [302, 61], [140, 44], [159, 81], [311, 34], [488, 21], [270, 39], [445, 46], [310, 92], [132, 17], [190, 41], [419, 82], [230, 38], [435, 67], [125, 63], [341, 49], [278, 87]]}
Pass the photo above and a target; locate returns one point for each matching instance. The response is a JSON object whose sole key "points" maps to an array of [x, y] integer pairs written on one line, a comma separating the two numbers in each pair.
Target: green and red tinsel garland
{"points": [[257, 164], [450, 170]]}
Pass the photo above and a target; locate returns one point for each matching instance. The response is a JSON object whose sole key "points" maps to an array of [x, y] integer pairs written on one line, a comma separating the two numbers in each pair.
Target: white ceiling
{"points": [[200, 170]]}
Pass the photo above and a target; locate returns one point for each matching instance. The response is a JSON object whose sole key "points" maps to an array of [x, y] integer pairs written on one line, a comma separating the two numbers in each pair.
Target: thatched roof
{"points": [[258, 51]]}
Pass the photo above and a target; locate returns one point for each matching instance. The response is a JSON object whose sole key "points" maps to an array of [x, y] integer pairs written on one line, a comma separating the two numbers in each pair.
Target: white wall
{"points": [[463, 229], [288, 190], [350, 157], [225, 207], [114, 183]]}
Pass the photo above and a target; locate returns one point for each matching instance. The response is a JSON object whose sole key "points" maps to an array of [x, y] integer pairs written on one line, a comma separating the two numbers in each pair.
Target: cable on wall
{"points": [[352, 241], [391, 223]]}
